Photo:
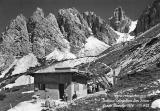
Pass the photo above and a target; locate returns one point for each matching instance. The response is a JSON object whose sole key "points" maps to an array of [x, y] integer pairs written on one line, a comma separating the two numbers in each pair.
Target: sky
{"points": [[9, 9]]}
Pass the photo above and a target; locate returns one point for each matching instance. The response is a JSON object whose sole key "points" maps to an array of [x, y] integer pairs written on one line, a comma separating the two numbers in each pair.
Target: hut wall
{"points": [[81, 89], [52, 82], [52, 91], [52, 85]]}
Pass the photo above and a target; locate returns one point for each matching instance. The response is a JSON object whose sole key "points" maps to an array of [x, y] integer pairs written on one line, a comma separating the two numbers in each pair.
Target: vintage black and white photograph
{"points": [[79, 55]]}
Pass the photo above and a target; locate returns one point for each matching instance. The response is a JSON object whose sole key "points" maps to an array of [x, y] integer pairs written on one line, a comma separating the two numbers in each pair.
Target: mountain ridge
{"points": [[41, 34], [148, 18]]}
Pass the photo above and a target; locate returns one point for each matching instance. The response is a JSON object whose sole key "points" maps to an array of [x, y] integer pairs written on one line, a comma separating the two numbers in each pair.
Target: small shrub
{"points": [[2, 96], [15, 89]]}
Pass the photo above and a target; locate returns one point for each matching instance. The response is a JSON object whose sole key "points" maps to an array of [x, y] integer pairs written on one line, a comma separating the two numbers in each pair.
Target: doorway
{"points": [[61, 90]]}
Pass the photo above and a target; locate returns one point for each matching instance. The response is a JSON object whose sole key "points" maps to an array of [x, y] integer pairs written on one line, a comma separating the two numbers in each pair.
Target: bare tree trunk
{"points": [[106, 83], [114, 78], [105, 78]]}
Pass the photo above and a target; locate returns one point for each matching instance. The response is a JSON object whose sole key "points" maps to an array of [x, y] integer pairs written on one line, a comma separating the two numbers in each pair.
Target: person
{"points": [[65, 96], [74, 95], [93, 88], [47, 102], [97, 88], [89, 89]]}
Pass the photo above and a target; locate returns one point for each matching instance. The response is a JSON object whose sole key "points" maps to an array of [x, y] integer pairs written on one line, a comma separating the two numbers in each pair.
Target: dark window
{"points": [[61, 90], [41, 86]]}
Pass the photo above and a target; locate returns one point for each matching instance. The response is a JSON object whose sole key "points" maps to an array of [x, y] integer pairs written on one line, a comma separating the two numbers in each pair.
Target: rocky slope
{"points": [[149, 18], [130, 58], [134, 69]]}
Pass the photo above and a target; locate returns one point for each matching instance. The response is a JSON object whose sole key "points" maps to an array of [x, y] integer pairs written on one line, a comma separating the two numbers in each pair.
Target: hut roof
{"points": [[67, 65]]}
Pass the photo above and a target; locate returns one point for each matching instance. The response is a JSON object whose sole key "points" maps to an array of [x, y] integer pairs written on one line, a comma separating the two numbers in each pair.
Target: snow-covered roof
{"points": [[66, 64]]}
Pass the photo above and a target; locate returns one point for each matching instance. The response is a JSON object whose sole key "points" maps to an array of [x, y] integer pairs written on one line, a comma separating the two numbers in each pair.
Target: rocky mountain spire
{"points": [[45, 34], [74, 28], [16, 38], [15, 42], [99, 28], [97, 25], [119, 21]]}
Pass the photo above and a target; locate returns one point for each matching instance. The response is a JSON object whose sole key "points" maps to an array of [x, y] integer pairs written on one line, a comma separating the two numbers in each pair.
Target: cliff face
{"points": [[149, 18], [15, 41], [100, 28], [120, 22], [16, 38], [45, 34], [74, 28]]}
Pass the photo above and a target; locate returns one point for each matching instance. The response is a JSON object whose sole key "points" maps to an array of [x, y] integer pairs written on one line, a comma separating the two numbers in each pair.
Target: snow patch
{"points": [[21, 65], [60, 55], [22, 80], [123, 37], [93, 47], [5, 71], [156, 104], [26, 92], [25, 63], [132, 26], [27, 106]]}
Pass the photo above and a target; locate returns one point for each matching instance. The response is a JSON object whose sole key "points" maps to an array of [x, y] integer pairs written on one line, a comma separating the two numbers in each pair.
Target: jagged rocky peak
{"points": [[91, 17], [51, 17], [45, 34], [74, 16], [119, 14], [95, 22], [38, 14], [99, 28], [74, 28], [15, 42], [149, 18], [119, 21], [16, 38]]}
